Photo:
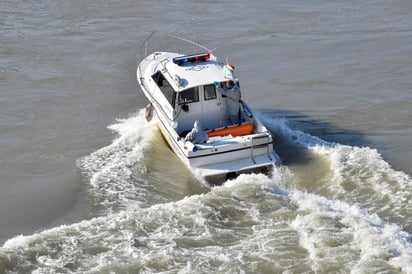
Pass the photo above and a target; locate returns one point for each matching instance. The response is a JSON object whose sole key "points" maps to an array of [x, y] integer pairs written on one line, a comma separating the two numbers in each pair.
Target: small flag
{"points": [[228, 70], [230, 67]]}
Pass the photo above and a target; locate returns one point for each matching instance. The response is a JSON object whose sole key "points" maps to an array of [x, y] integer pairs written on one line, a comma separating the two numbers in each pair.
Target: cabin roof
{"points": [[193, 74]]}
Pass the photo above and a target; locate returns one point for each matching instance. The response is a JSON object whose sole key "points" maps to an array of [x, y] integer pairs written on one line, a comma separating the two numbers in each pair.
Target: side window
{"points": [[158, 78], [165, 87], [188, 96], [210, 92]]}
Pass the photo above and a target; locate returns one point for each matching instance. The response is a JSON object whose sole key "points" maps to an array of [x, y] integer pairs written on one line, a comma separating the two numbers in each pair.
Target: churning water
{"points": [[330, 79]]}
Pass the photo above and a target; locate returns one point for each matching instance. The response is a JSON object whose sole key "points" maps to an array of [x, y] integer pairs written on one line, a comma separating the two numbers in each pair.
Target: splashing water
{"points": [[110, 169], [350, 222]]}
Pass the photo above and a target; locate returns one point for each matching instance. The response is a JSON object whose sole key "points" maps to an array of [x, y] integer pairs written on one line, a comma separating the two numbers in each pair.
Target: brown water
{"points": [[91, 193]]}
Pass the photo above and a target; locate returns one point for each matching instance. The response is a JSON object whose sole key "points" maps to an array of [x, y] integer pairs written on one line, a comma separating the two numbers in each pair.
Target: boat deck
{"points": [[223, 141]]}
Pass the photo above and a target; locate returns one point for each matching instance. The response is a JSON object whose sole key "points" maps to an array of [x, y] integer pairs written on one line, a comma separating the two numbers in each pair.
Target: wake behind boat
{"points": [[196, 99]]}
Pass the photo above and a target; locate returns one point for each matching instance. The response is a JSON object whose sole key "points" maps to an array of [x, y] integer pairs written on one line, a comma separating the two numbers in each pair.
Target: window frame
{"points": [[196, 98], [205, 87], [165, 87]]}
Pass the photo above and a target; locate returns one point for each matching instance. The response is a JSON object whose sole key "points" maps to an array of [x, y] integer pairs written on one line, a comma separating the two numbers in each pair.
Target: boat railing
{"points": [[159, 41]]}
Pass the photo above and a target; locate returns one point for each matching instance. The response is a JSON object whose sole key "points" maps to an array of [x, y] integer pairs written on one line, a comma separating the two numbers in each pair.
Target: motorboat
{"points": [[182, 81]]}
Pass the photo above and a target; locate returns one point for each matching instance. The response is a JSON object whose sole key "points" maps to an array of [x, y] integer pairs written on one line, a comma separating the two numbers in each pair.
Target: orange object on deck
{"points": [[234, 130]]}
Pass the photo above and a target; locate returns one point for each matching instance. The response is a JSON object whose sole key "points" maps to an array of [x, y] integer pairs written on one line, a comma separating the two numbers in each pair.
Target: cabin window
{"points": [[190, 95], [210, 92], [164, 86]]}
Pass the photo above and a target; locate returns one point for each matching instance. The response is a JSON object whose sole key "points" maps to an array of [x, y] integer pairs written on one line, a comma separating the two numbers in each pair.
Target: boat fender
{"points": [[149, 112]]}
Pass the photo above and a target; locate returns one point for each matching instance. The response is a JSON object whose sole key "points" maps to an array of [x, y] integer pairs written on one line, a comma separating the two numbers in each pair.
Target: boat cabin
{"points": [[190, 94]]}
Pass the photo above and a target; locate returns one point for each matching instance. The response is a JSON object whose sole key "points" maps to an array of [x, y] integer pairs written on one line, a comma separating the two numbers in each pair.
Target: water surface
{"points": [[87, 186]]}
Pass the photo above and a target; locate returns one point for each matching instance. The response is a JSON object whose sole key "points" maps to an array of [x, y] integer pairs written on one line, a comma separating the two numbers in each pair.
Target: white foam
{"points": [[110, 168], [358, 175], [361, 177], [280, 126], [335, 231], [247, 224]]}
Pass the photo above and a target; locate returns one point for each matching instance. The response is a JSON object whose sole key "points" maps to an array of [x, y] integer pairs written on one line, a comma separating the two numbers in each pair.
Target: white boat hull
{"points": [[182, 89]]}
